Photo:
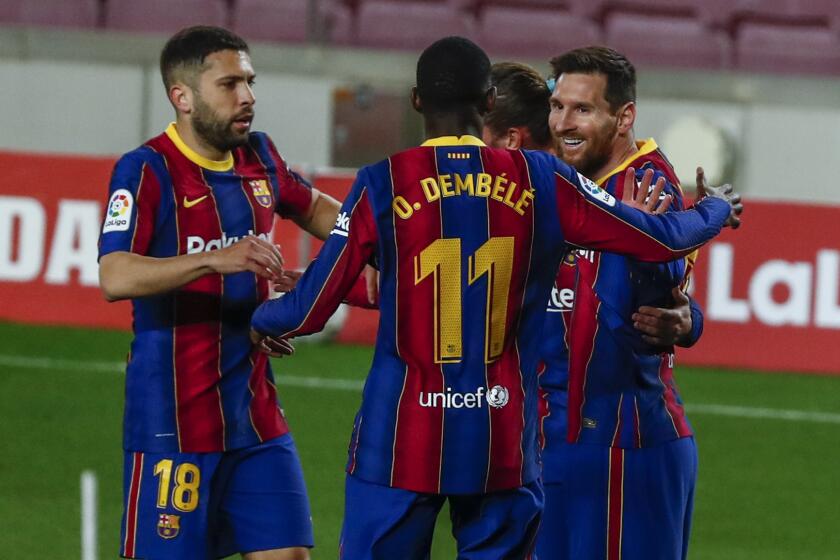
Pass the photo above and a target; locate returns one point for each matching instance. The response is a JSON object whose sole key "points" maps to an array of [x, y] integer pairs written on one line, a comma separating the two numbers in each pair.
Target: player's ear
{"points": [[415, 100], [181, 98], [488, 101], [514, 138], [626, 117]]}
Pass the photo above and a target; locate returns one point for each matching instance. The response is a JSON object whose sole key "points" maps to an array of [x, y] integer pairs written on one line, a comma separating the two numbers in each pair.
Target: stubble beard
{"points": [[215, 131]]}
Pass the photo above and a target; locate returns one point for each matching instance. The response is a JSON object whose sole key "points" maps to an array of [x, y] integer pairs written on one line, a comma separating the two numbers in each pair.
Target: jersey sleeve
{"points": [[295, 196], [592, 218], [133, 199], [696, 324], [329, 278]]}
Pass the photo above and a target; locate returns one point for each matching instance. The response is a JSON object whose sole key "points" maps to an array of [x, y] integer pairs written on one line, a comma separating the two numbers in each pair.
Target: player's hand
{"points": [[665, 327], [723, 192], [287, 281], [250, 253], [272, 345], [644, 199], [371, 283]]}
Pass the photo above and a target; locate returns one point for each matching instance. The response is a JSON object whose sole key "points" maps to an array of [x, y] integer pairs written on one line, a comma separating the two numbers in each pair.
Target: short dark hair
{"points": [[187, 49], [620, 73], [452, 73], [522, 99]]}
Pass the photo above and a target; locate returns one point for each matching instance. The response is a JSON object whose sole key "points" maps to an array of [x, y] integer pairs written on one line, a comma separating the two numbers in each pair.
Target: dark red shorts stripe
{"points": [[615, 508], [130, 544]]}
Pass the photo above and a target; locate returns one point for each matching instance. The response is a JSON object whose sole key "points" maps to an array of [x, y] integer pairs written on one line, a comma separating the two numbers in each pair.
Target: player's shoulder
{"points": [[138, 158]]}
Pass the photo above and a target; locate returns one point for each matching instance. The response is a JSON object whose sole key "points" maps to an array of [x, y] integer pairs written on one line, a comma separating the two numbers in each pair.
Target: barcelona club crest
{"points": [[169, 525], [262, 193]]}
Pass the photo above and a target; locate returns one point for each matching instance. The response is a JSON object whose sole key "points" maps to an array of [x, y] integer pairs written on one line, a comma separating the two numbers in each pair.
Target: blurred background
{"points": [[749, 89]]}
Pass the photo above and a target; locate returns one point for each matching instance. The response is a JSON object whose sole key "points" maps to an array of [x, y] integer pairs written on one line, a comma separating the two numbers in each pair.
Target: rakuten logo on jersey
{"points": [[197, 244], [497, 397], [561, 301], [811, 290]]}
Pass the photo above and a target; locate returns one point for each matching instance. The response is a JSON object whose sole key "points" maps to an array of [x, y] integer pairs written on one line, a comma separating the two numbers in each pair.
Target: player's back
{"points": [[466, 258]]}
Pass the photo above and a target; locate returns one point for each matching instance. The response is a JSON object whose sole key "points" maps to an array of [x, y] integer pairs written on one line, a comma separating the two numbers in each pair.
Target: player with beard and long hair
{"points": [[619, 459], [210, 466]]}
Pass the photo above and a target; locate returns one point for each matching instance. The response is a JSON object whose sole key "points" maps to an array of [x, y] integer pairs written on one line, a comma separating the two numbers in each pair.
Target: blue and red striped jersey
{"points": [[467, 240], [194, 382], [621, 391]]}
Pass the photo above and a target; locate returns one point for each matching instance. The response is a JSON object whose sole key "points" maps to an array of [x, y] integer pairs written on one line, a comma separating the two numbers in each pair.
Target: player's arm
{"points": [[680, 325], [592, 218], [329, 278], [126, 270], [320, 218], [314, 211], [123, 274]]}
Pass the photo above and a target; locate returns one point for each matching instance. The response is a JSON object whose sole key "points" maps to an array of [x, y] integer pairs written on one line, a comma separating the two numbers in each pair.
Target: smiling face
{"points": [[223, 100], [584, 126]]}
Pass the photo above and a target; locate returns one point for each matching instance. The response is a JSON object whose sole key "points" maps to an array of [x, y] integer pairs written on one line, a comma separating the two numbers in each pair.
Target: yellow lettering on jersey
{"points": [[430, 189], [464, 184], [445, 182], [484, 185]]}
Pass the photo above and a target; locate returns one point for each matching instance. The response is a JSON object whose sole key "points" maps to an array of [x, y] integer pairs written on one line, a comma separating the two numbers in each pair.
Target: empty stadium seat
{"points": [[163, 16], [708, 11], [61, 13], [407, 25], [667, 41], [790, 11], [269, 20], [784, 49], [533, 33]]}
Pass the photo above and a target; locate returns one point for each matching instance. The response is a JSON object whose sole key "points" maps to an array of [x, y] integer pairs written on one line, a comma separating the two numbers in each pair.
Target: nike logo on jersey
{"points": [[190, 203]]}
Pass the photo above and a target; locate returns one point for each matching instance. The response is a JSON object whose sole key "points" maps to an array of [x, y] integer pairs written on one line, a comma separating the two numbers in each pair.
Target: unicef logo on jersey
{"points": [[498, 396]]}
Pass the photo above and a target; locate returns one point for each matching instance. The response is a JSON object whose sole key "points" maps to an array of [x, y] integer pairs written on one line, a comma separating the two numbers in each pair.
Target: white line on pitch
{"points": [[33, 362]]}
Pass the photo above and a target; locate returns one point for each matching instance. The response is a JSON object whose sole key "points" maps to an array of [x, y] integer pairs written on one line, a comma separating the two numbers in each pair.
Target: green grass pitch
{"points": [[769, 488]]}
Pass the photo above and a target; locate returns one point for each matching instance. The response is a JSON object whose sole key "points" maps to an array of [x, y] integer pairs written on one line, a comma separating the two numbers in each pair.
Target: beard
{"points": [[597, 154], [216, 131]]}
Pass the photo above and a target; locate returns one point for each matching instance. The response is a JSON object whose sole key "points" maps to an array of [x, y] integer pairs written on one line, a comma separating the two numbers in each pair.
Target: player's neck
{"points": [[197, 143], [453, 124], [623, 148]]}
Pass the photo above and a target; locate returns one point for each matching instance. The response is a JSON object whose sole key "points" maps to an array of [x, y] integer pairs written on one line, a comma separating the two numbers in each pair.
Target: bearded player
{"points": [[210, 466], [625, 488]]}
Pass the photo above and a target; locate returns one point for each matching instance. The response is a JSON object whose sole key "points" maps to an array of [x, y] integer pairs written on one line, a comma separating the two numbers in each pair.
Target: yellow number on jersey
{"points": [[442, 260]]}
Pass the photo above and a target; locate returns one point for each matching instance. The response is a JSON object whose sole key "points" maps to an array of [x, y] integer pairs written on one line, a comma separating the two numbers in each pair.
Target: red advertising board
{"points": [[770, 291]]}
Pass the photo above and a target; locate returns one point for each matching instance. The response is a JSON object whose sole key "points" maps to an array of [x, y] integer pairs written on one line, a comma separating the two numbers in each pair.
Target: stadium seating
{"points": [[269, 20], [708, 11], [667, 41], [816, 12], [59, 13], [793, 49], [408, 25], [761, 35], [163, 16], [533, 33]]}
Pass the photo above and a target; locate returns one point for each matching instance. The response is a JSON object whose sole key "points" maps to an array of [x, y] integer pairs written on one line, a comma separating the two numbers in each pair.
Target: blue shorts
{"points": [[212, 505], [633, 504], [384, 523]]}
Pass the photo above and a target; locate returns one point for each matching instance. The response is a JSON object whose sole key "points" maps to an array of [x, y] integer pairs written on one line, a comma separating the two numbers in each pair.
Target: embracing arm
{"points": [[124, 275]]}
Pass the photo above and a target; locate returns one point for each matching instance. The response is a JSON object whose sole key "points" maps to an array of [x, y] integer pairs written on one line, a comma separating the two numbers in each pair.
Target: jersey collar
{"points": [[643, 147], [465, 140], [211, 164]]}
